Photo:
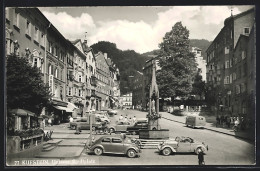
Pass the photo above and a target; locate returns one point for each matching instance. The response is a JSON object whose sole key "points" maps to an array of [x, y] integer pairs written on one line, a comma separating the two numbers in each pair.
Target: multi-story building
{"points": [[200, 61], [30, 34], [126, 101], [137, 98], [103, 77], [223, 68], [114, 79]]}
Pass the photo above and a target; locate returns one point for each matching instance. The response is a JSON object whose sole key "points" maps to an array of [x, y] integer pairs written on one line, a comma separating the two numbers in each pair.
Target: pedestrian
{"points": [[125, 120], [130, 120], [121, 118], [218, 121], [134, 119], [228, 121], [49, 121], [222, 120], [71, 119], [201, 157]]}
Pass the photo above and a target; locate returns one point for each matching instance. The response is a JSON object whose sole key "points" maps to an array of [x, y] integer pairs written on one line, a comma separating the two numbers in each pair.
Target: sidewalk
{"points": [[210, 125]]}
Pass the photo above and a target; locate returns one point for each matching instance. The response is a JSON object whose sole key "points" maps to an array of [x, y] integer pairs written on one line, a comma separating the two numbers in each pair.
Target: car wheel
{"points": [[73, 127], [98, 151], [131, 153], [167, 151], [106, 130], [111, 130], [197, 150]]}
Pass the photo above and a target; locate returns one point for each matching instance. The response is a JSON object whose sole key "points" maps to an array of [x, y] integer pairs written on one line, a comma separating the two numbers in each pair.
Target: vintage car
{"points": [[83, 123], [114, 144], [118, 127], [139, 124], [180, 145], [128, 127], [103, 118], [112, 112]]}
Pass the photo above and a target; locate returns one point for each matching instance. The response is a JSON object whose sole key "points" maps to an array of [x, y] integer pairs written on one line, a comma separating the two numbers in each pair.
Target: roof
{"points": [[241, 37], [239, 15]]}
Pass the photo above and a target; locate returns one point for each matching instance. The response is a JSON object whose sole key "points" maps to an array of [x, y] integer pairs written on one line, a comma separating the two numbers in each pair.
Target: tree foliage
{"points": [[24, 85], [198, 86], [177, 63]]}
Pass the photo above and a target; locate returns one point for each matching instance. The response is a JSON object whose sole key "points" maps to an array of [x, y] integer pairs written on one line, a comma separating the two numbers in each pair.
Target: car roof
{"points": [[111, 136]]}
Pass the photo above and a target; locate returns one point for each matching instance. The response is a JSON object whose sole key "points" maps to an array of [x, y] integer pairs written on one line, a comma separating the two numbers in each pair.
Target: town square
{"points": [[130, 86]]}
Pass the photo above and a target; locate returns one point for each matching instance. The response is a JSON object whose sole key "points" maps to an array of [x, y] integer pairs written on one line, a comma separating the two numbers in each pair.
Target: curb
{"points": [[246, 138]]}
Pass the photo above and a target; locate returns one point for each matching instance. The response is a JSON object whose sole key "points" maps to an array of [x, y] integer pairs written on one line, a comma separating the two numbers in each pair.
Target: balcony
{"points": [[93, 81]]}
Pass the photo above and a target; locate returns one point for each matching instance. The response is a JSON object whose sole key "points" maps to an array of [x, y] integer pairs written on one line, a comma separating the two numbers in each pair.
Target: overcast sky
{"points": [[138, 28]]}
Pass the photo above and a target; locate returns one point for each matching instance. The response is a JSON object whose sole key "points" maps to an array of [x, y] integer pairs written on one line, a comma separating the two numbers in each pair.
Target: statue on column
{"points": [[153, 115]]}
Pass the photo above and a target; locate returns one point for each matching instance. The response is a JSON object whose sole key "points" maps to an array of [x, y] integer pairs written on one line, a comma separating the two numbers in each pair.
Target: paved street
{"points": [[223, 149]]}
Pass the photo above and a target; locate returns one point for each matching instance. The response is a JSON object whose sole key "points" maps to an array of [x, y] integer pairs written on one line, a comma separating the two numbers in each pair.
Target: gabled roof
{"points": [[242, 36]]}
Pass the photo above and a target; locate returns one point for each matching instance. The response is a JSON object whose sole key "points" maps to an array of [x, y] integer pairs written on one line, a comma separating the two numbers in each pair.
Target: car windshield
{"points": [[128, 140]]}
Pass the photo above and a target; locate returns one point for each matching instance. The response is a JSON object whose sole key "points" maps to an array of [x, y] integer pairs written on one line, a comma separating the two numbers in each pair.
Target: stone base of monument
{"points": [[154, 134]]}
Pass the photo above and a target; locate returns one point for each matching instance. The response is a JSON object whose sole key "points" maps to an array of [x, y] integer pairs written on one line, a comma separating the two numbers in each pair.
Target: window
{"points": [[70, 91], [80, 78], [16, 19], [230, 78], [238, 89], [50, 47], [226, 50], [227, 64], [116, 140], [28, 28], [243, 87], [56, 73], [7, 15], [243, 54], [50, 70], [35, 62], [246, 30], [42, 40], [234, 76], [226, 80], [36, 34], [79, 92], [106, 140]]}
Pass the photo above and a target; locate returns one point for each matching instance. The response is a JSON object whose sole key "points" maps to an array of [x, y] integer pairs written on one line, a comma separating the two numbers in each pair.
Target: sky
{"points": [[139, 28]]}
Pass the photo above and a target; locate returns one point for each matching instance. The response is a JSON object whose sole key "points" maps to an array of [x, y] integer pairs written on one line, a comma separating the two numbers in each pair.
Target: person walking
{"points": [[121, 118], [134, 119], [71, 119], [49, 121], [228, 121], [218, 121], [201, 157], [125, 120]]}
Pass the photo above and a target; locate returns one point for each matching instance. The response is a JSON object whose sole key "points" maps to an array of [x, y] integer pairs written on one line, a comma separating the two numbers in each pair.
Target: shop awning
{"points": [[72, 106], [22, 112], [63, 108]]}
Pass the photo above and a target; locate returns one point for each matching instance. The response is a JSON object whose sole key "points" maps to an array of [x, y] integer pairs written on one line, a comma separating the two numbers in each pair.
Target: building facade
{"points": [[103, 78], [137, 98], [200, 61], [126, 101], [226, 77], [69, 68]]}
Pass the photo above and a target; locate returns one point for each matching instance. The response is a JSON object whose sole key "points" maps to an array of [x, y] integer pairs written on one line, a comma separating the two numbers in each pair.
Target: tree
{"points": [[177, 63], [198, 86], [25, 88]]}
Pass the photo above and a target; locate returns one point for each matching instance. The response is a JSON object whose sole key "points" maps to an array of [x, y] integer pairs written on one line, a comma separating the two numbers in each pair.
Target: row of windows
{"points": [[58, 73], [77, 92]]}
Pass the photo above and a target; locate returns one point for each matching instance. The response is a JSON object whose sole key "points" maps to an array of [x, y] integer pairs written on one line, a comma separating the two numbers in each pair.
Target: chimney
{"points": [[105, 55], [85, 39]]}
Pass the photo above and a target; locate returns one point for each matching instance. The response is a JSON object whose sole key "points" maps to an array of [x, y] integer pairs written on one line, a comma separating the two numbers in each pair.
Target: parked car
{"points": [[139, 124], [103, 118], [115, 144], [181, 144], [83, 123], [118, 127], [195, 121], [112, 112]]}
